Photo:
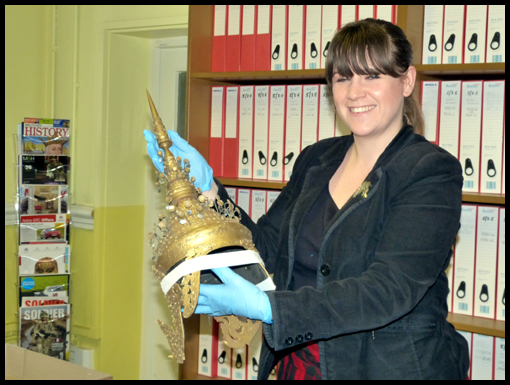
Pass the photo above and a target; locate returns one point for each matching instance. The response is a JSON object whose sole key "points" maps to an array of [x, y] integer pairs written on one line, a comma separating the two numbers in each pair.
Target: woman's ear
{"points": [[409, 80]]}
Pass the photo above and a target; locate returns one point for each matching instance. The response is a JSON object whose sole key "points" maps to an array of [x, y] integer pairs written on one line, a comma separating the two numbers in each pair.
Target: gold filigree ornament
{"points": [[363, 190], [194, 235]]}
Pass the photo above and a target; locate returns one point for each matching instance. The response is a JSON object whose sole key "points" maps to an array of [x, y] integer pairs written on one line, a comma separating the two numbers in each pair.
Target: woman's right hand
{"points": [[199, 168]]}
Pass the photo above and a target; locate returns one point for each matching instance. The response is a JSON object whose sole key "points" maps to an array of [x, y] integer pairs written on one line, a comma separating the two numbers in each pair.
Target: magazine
{"points": [[45, 329], [45, 136], [44, 169], [42, 228], [43, 199], [43, 287], [41, 259], [58, 299]]}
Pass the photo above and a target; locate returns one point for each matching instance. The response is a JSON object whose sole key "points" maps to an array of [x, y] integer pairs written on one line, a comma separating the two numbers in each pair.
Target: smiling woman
{"points": [[371, 48], [359, 238]]}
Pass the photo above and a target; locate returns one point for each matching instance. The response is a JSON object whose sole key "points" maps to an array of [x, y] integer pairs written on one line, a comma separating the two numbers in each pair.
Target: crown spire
{"points": [[162, 137]]}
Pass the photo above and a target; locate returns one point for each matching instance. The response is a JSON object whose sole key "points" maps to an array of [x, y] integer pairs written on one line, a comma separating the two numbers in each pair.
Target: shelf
{"points": [[250, 183], [461, 69], [319, 74], [493, 199], [477, 325], [258, 76]]}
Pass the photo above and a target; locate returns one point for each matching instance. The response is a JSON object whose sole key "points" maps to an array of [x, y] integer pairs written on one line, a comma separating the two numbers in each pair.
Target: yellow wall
{"points": [[27, 74], [27, 93], [97, 77]]}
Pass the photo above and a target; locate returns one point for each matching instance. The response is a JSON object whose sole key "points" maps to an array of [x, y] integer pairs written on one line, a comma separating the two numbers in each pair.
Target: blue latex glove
{"points": [[235, 296], [198, 166]]}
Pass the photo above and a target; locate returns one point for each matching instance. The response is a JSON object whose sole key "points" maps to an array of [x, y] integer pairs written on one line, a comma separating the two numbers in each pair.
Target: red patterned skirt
{"points": [[302, 364]]}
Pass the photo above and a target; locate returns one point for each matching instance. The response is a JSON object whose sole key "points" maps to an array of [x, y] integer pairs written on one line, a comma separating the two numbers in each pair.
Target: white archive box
{"points": [[279, 38], [258, 204], [330, 14], [245, 157], [482, 356], [496, 34], [470, 134], [276, 132], [292, 128], [476, 33], [224, 357], [492, 136], [260, 132], [500, 294], [327, 115], [208, 346], [430, 91], [486, 262], [365, 11], [239, 363], [464, 266], [348, 14], [433, 34], [453, 34], [310, 115], [449, 116], [295, 36], [312, 48], [231, 140], [244, 200]]}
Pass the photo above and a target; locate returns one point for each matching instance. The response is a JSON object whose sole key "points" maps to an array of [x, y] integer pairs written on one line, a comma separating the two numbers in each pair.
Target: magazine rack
{"points": [[43, 219]]}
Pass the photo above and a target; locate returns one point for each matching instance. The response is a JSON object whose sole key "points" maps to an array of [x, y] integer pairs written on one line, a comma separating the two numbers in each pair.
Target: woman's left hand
{"points": [[235, 296], [199, 168]]}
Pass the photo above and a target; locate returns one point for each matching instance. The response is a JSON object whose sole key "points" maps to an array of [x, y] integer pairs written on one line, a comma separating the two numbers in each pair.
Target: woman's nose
{"points": [[356, 90]]}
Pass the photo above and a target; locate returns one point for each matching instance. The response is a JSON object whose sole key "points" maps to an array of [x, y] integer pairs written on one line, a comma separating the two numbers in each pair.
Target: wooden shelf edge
{"points": [[461, 69], [251, 183], [477, 325], [423, 69], [494, 199], [317, 74]]}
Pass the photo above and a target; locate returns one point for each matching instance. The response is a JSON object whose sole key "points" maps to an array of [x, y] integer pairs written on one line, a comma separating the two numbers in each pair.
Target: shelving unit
{"points": [[198, 110]]}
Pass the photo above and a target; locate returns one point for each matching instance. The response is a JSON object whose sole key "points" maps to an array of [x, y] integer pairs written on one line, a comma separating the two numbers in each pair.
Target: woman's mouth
{"points": [[357, 110]]}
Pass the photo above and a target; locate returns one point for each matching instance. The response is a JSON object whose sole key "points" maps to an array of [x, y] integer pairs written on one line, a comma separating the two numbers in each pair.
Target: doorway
{"points": [[168, 91]]}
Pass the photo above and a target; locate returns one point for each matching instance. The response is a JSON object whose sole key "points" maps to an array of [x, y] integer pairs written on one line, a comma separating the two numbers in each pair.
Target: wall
{"points": [[100, 73], [27, 93]]}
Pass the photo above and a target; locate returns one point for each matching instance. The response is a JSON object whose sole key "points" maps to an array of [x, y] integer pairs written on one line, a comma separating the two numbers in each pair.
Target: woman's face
{"points": [[372, 105]]}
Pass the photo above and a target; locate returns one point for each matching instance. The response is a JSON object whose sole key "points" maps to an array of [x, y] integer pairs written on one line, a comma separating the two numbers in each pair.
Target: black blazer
{"points": [[379, 310]]}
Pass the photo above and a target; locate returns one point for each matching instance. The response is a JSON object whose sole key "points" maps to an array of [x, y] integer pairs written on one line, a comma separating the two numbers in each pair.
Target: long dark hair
{"points": [[373, 47]]}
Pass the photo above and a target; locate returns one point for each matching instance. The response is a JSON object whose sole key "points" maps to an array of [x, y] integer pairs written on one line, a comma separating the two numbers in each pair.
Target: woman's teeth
{"points": [[361, 109]]}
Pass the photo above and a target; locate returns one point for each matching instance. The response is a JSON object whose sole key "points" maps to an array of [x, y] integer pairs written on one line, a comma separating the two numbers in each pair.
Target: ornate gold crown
{"points": [[194, 227]]}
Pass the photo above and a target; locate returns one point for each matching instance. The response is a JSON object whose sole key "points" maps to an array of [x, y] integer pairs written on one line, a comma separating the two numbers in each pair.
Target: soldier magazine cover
{"points": [[45, 329]]}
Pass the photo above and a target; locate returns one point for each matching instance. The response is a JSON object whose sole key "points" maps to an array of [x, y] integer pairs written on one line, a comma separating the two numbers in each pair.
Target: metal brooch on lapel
{"points": [[363, 189], [193, 227]]}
